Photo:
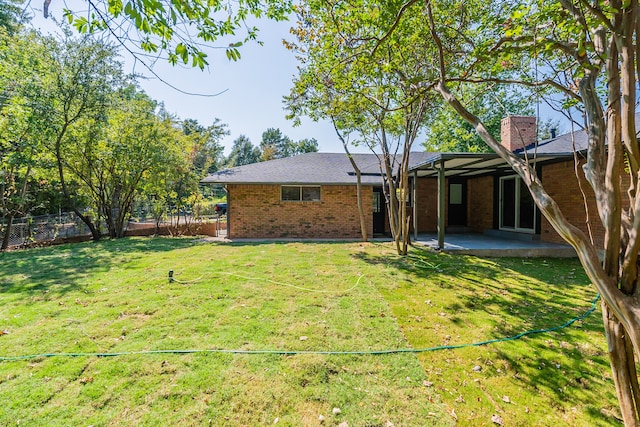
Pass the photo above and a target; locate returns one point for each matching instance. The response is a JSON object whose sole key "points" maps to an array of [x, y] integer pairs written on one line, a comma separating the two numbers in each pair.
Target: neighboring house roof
{"points": [[309, 168]]}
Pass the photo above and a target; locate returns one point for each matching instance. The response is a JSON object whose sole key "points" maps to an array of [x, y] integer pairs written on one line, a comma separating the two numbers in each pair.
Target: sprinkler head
{"points": [[170, 276]]}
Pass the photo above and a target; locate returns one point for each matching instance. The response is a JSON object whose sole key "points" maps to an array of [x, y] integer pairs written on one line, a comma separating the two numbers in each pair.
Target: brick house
{"points": [[314, 195], [307, 196]]}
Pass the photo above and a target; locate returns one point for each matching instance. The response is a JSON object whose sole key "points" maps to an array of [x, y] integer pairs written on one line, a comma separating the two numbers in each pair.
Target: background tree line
{"points": [[78, 134]]}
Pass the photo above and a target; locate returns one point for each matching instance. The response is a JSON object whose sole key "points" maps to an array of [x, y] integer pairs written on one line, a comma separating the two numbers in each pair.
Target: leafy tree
{"points": [[586, 54], [177, 28], [446, 131], [276, 145], [11, 16], [307, 145], [207, 150], [377, 95], [83, 74], [243, 152], [590, 59], [113, 159], [23, 127]]}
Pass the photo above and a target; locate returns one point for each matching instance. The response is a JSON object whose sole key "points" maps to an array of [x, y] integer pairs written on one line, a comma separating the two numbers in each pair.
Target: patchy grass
{"points": [[114, 296], [548, 379]]}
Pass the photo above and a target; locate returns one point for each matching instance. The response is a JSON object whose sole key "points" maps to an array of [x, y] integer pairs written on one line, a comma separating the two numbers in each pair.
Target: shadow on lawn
{"points": [[535, 293], [515, 296], [59, 268], [563, 375]]}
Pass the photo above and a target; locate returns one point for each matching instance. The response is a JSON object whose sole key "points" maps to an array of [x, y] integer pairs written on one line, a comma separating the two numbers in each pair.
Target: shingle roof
{"points": [[563, 144], [309, 168], [335, 168]]}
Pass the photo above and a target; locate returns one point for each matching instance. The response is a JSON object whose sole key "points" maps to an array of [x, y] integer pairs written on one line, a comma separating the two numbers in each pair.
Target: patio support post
{"points": [[441, 202], [415, 205], [228, 229]]}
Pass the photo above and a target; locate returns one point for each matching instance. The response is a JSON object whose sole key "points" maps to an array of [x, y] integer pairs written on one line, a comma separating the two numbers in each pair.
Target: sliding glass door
{"points": [[517, 209]]}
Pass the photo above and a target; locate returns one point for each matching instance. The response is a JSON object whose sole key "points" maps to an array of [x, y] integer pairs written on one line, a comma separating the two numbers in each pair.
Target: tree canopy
{"points": [[276, 145], [74, 124], [179, 29], [243, 152]]}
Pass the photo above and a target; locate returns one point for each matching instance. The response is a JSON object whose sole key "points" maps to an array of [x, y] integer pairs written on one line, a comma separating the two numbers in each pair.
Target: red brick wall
{"points": [[194, 229], [427, 198], [256, 211], [559, 179], [480, 203]]}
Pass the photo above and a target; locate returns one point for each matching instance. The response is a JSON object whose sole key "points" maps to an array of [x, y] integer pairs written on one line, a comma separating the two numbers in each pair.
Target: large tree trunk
{"points": [[11, 214], [7, 232], [623, 367], [389, 189], [356, 169], [95, 233], [363, 222]]}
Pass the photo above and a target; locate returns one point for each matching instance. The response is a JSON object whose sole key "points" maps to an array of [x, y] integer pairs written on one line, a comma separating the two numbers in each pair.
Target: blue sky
{"points": [[253, 88]]}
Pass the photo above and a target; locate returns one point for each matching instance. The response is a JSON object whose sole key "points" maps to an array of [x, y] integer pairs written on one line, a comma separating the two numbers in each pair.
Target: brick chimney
{"points": [[517, 132]]}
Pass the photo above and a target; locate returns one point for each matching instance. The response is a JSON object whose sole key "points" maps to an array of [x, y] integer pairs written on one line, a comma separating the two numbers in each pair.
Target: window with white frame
{"points": [[300, 193]]}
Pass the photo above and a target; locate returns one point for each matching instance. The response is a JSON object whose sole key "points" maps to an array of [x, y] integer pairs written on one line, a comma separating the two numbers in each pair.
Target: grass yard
{"points": [[114, 296]]}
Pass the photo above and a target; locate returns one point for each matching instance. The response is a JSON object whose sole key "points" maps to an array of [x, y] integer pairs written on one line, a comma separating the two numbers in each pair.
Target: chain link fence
{"points": [[45, 228], [48, 228]]}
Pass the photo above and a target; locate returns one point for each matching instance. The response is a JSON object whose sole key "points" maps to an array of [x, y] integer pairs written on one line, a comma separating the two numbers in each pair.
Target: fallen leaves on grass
{"points": [[454, 415], [497, 419]]}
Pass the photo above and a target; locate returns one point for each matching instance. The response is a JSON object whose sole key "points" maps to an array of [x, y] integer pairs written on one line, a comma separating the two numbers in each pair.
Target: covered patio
{"points": [[457, 226]]}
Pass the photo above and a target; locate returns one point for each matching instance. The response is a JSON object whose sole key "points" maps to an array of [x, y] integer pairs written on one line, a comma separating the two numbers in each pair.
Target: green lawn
{"points": [[114, 296]]}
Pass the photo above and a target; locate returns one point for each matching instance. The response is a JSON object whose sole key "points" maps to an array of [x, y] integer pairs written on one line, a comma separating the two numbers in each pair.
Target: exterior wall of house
{"points": [[480, 203], [427, 199], [256, 211], [559, 179]]}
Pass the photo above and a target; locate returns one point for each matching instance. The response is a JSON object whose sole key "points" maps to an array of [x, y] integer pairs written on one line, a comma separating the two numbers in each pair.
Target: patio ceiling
{"points": [[474, 164]]}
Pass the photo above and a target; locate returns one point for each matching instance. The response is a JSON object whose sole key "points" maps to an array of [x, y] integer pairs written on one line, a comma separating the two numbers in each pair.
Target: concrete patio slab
{"points": [[491, 246]]}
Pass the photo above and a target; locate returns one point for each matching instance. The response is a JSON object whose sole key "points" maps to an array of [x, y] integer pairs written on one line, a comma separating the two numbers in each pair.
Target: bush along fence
{"points": [[65, 227]]}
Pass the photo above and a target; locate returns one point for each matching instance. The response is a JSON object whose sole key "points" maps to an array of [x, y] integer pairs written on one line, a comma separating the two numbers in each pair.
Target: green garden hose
{"points": [[308, 352]]}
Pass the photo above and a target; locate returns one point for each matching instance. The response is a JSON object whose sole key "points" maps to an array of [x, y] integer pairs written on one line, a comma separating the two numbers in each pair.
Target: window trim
{"points": [[300, 193]]}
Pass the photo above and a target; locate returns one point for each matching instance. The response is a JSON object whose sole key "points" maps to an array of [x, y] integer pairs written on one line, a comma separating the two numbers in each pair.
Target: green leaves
{"points": [[182, 52], [198, 20], [233, 53]]}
